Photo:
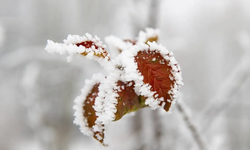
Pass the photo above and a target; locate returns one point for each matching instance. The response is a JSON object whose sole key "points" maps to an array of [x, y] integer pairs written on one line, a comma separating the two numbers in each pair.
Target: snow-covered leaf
{"points": [[160, 72], [156, 72], [143, 74], [85, 114], [90, 113], [88, 46], [128, 100]]}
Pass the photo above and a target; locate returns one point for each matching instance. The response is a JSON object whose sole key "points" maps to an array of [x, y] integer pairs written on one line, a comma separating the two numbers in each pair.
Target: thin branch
{"points": [[191, 126]]}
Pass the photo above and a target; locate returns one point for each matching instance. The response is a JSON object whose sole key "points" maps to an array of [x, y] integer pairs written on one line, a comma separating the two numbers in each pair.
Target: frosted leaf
{"points": [[155, 72], [143, 74], [106, 102], [85, 115], [88, 46]]}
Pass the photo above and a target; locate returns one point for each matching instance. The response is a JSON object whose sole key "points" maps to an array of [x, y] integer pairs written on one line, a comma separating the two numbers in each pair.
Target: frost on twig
{"points": [[191, 126], [143, 74]]}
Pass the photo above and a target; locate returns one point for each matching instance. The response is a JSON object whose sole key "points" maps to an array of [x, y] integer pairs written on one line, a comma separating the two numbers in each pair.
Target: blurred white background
{"points": [[210, 40]]}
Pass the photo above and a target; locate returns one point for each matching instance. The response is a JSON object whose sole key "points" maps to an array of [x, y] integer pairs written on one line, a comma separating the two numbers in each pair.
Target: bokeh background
{"points": [[210, 40]]}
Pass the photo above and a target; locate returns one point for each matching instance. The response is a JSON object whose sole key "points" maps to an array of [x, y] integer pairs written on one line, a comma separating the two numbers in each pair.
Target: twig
{"points": [[191, 126]]}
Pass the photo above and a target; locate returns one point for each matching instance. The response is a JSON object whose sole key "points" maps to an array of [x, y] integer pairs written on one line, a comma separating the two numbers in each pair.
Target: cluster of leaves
{"points": [[143, 74]]}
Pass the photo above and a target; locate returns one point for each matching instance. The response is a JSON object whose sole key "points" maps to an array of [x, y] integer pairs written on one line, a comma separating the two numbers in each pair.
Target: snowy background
{"points": [[210, 40]]}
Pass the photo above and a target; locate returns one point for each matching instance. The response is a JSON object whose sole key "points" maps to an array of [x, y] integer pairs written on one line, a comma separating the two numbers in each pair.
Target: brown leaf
{"points": [[128, 100], [98, 51], [90, 113], [156, 72]]}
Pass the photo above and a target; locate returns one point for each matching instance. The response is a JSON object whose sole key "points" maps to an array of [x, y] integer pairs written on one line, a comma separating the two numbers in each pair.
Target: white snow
{"points": [[105, 105]]}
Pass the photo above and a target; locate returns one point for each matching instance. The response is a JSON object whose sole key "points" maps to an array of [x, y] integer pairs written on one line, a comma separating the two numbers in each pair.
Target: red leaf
{"points": [[156, 72], [128, 101], [84, 45], [90, 113], [99, 51]]}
